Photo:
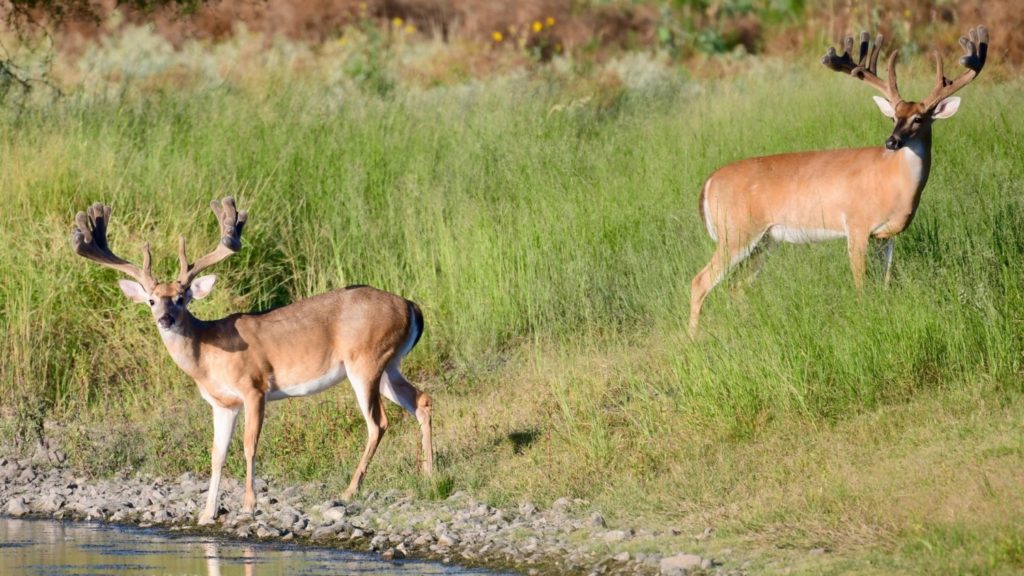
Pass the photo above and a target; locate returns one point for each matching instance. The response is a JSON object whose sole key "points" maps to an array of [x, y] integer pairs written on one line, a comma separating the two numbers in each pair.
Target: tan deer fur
{"points": [[858, 194], [245, 360]]}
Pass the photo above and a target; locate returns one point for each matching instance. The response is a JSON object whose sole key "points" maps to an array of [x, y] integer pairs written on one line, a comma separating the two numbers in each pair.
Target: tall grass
{"points": [[551, 241]]}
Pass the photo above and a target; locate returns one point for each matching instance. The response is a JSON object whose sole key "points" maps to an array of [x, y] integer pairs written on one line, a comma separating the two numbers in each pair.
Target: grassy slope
{"points": [[552, 253]]}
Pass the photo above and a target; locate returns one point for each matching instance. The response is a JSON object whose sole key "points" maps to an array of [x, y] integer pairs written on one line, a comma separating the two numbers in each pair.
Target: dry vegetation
{"points": [[543, 213]]}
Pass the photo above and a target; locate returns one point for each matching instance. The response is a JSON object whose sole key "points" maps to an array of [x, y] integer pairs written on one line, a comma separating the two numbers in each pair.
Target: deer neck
{"points": [[182, 342], [916, 155]]}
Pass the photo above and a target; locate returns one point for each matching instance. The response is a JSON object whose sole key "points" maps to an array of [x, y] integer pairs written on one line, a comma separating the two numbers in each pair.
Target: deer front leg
{"points": [[368, 394], [255, 406], [223, 426], [857, 248]]}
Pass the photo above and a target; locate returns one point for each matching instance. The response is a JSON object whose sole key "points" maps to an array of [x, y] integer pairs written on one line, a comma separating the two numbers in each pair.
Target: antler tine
{"points": [[89, 239], [231, 222], [866, 66], [875, 51], [975, 46], [894, 90]]}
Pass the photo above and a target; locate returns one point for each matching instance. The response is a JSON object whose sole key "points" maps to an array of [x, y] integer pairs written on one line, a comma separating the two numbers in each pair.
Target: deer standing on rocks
{"points": [[854, 193], [242, 361]]}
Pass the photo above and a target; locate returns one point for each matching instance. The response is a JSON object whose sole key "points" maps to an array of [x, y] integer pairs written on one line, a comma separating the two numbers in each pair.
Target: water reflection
{"points": [[44, 547], [212, 552]]}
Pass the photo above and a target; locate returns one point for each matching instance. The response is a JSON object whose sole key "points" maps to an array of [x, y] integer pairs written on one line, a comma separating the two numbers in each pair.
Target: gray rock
{"points": [[334, 513], [597, 521], [9, 471], [527, 509], [447, 540], [614, 536], [621, 557], [680, 564], [17, 507], [265, 531], [287, 517], [51, 503], [27, 476], [561, 505]]}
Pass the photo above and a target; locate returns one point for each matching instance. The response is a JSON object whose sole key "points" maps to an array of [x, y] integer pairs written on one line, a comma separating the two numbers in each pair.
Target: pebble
{"points": [[567, 538], [680, 564], [447, 540], [334, 513]]}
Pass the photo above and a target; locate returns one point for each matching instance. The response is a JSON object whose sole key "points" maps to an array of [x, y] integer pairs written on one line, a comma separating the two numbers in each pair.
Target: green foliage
{"points": [[551, 242]]}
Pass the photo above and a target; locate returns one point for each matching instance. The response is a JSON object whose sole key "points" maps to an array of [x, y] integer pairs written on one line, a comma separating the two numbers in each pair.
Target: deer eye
{"points": [[152, 302]]}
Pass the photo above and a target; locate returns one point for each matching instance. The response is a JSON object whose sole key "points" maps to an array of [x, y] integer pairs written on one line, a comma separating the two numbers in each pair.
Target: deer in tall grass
{"points": [[856, 193], [247, 359]]}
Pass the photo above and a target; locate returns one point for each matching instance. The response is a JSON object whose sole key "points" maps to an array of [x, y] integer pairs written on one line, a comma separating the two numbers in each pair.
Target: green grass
{"points": [[551, 247]]}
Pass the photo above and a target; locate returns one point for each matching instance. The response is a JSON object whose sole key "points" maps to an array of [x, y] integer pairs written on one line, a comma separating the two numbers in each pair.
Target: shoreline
{"points": [[567, 538]]}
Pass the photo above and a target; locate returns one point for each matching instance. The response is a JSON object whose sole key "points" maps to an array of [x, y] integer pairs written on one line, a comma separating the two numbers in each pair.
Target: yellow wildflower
{"points": [[409, 28], [497, 36], [550, 21], [537, 26], [397, 22]]}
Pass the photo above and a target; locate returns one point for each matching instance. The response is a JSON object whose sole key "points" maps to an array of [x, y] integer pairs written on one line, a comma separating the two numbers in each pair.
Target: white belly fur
{"points": [[307, 388], [803, 235]]}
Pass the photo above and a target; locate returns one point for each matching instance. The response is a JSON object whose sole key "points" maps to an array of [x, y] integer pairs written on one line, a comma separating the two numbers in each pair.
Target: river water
{"points": [[47, 547]]}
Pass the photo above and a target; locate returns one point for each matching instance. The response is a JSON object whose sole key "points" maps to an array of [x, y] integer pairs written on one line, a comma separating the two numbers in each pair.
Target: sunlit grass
{"points": [[551, 247]]}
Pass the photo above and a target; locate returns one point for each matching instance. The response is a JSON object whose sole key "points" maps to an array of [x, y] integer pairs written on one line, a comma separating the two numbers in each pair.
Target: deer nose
{"points": [[893, 143], [166, 321]]}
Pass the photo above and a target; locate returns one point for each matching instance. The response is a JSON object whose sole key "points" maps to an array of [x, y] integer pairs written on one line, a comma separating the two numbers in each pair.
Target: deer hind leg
{"points": [[255, 407], [725, 257], [396, 388], [223, 426], [755, 262], [366, 383]]}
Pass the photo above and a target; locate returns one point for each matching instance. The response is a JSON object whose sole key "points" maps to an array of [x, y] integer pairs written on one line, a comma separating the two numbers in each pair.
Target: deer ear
{"points": [[202, 286], [946, 108], [133, 290], [885, 107]]}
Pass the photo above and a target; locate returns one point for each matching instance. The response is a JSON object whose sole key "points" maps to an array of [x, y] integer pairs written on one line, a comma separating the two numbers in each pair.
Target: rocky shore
{"points": [[567, 538]]}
